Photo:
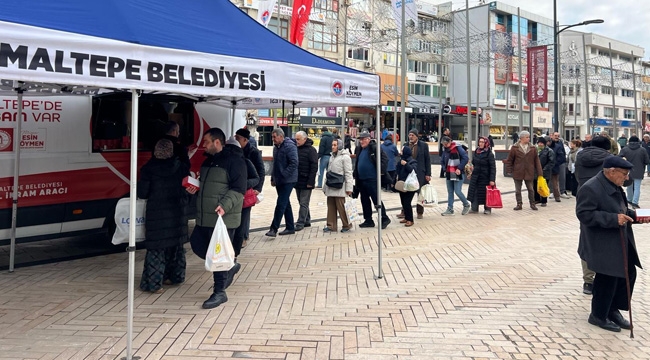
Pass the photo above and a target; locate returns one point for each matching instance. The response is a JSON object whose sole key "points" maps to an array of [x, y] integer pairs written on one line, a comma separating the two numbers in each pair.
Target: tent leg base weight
{"points": [[133, 358], [378, 277]]}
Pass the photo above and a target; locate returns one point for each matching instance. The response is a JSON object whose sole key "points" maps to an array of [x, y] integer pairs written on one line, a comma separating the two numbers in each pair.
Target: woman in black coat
{"points": [[406, 165], [166, 222], [483, 175]]}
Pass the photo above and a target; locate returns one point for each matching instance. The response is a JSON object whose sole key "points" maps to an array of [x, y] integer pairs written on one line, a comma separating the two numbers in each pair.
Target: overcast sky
{"points": [[627, 20]]}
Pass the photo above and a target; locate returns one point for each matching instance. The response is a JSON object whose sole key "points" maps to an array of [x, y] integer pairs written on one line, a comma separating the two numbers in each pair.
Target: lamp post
{"points": [[556, 41]]}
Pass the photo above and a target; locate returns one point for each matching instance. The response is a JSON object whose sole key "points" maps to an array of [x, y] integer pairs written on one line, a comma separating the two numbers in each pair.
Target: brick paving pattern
{"points": [[504, 286]]}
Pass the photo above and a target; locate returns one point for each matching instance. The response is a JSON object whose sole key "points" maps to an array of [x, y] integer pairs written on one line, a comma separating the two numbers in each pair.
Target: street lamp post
{"points": [[556, 78]]}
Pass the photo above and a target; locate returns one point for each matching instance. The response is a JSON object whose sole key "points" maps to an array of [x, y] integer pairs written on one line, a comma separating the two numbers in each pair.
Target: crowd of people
{"points": [[232, 176]]}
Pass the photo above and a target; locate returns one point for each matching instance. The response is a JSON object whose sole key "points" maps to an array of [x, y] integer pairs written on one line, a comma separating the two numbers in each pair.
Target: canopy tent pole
{"points": [[14, 203], [132, 216], [380, 243], [232, 116]]}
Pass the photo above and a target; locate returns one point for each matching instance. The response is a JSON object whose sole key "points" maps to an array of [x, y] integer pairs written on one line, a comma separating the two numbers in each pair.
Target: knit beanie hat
{"points": [[164, 149]]}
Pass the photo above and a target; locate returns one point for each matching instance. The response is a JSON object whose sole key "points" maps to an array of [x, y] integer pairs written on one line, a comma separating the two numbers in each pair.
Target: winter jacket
{"points": [[255, 156], [421, 155], [484, 171], [391, 151], [307, 165], [464, 159], [547, 160], [223, 183], [252, 178], [340, 163], [614, 148], [523, 165], [571, 159], [638, 156], [560, 155], [372, 147], [325, 146], [285, 163], [622, 142], [598, 204], [403, 171], [646, 146], [589, 162], [166, 221]]}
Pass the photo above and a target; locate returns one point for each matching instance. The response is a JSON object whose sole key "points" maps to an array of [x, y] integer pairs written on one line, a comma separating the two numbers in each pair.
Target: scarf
{"points": [[486, 147], [454, 159], [414, 149]]}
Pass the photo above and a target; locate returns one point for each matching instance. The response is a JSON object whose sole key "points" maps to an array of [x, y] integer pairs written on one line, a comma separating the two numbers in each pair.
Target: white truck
{"points": [[75, 157]]}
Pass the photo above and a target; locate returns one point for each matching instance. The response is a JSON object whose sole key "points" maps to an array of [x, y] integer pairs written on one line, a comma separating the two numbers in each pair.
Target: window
{"points": [[594, 88], [419, 89], [627, 93], [609, 112], [629, 114], [594, 111], [436, 90], [280, 27], [501, 20], [322, 39], [577, 109], [603, 53], [606, 90], [358, 54], [419, 67], [389, 59], [571, 106], [625, 58]]}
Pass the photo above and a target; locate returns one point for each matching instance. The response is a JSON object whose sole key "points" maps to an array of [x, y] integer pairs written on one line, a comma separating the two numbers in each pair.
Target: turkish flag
{"points": [[299, 19]]}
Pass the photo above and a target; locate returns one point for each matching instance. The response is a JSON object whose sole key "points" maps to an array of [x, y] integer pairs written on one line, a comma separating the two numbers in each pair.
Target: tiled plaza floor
{"points": [[504, 286]]}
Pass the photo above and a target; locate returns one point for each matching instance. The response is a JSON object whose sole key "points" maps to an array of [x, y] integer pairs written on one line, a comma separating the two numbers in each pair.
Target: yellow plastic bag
{"points": [[542, 187]]}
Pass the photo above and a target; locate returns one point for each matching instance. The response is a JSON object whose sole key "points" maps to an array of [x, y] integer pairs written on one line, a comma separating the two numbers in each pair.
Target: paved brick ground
{"points": [[505, 286]]}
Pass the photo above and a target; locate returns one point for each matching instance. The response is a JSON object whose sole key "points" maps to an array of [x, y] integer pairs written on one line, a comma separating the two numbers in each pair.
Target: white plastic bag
{"points": [[220, 255], [428, 196], [411, 183], [260, 197], [122, 221], [351, 210]]}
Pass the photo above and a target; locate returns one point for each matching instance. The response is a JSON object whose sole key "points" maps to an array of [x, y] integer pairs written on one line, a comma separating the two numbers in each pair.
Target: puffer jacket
{"points": [[589, 162], [547, 160], [307, 165], [340, 163], [223, 183]]}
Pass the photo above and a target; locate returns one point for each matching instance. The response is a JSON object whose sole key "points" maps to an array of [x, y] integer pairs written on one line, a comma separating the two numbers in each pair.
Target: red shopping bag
{"points": [[493, 197]]}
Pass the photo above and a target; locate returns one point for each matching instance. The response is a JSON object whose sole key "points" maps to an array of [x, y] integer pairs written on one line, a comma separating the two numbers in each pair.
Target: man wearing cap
{"points": [[251, 153], [365, 176], [607, 242], [420, 151], [638, 156], [324, 153]]}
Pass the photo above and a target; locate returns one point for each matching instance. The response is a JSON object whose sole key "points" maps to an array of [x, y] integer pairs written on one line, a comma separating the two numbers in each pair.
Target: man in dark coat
{"points": [[589, 162], [559, 169], [284, 178], [324, 153], [255, 156], [307, 169], [420, 151], [547, 161], [166, 227], [365, 176], [606, 241], [223, 184], [446, 132], [638, 156], [173, 131]]}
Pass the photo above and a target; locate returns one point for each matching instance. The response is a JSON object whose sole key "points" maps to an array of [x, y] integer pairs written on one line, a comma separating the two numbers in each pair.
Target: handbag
{"points": [[493, 197], [250, 199], [123, 221], [220, 255], [542, 187], [334, 180], [428, 196], [399, 186]]}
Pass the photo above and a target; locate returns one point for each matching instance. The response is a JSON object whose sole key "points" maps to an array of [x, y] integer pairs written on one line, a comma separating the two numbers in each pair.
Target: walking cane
{"points": [[627, 279]]}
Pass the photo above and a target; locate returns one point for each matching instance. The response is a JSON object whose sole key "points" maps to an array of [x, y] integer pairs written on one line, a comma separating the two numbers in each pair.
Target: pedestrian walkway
{"points": [[503, 286]]}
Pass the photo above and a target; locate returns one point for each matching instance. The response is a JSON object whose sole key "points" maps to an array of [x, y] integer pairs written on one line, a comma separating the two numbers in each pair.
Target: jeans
{"points": [[457, 188], [634, 191], [283, 207], [304, 216], [324, 161], [367, 192]]}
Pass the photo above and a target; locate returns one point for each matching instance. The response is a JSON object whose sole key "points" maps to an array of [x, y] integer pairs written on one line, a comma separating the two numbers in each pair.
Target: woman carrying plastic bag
{"points": [[406, 173]]}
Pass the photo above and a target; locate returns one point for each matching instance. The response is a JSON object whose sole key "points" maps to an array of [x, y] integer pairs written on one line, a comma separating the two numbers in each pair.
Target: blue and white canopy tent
{"points": [[207, 49]]}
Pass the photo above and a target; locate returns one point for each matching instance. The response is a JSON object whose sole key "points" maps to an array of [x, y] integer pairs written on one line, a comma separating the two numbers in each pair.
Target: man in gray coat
{"points": [[607, 241], [638, 156]]}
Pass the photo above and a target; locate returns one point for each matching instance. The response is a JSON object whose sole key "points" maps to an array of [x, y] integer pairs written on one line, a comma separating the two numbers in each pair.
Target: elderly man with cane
{"points": [[607, 243]]}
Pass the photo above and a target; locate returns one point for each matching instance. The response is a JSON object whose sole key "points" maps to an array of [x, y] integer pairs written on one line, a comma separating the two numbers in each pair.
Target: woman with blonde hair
{"points": [[338, 186]]}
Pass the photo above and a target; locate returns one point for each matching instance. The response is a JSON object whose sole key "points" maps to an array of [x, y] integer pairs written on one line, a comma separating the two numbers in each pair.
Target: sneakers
{"points": [[384, 224], [344, 230], [487, 211], [272, 233], [367, 224], [465, 210], [542, 204], [565, 196], [448, 212], [328, 229], [215, 300], [588, 288]]}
